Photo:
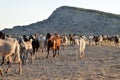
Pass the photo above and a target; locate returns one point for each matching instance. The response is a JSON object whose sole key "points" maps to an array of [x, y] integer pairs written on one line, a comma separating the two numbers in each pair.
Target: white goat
{"points": [[10, 46], [25, 49], [80, 46]]}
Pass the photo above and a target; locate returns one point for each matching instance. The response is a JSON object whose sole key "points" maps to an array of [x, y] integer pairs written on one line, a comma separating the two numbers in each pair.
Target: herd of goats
{"points": [[18, 49]]}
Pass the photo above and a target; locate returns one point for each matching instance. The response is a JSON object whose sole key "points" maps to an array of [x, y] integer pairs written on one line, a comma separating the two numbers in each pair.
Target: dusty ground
{"points": [[101, 63]]}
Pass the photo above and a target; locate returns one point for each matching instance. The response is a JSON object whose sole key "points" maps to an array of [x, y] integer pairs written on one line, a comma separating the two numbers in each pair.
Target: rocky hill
{"points": [[65, 20]]}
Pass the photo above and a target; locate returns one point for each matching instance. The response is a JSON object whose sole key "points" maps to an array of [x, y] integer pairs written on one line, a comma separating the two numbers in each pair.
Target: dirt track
{"points": [[101, 63]]}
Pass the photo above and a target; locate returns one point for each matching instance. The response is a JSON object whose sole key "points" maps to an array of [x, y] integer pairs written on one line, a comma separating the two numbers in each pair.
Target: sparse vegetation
{"points": [[67, 20]]}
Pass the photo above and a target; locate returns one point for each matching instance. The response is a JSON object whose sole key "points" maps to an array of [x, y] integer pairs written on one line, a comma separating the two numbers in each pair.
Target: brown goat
{"points": [[54, 43]]}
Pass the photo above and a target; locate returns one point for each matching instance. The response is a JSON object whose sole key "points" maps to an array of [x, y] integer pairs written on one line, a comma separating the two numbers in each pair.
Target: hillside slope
{"points": [[65, 20]]}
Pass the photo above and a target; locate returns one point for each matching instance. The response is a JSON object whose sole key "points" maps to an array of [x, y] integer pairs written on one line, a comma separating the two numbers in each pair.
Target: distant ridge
{"points": [[66, 19]]}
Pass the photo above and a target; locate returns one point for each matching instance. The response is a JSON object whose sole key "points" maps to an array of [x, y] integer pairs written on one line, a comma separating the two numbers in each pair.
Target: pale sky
{"points": [[25, 12]]}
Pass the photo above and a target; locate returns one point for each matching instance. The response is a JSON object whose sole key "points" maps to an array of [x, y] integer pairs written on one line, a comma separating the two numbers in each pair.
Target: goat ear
{"points": [[3, 36], [31, 40]]}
